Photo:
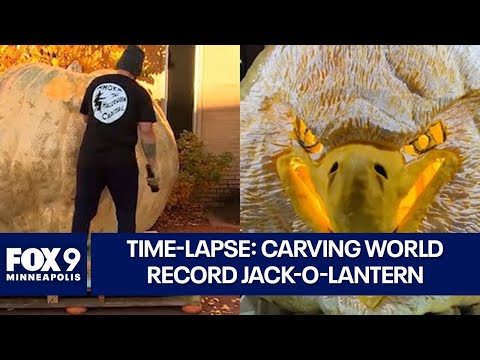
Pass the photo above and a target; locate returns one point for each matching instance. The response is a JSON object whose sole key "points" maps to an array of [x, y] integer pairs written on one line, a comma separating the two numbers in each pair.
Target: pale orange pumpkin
{"points": [[40, 134], [192, 309], [76, 310]]}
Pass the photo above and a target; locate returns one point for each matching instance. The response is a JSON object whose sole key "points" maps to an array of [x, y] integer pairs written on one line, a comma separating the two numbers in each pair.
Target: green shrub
{"points": [[199, 170]]}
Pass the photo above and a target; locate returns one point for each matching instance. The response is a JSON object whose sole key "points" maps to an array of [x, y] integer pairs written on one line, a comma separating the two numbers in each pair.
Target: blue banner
{"points": [[285, 264], [43, 264]]}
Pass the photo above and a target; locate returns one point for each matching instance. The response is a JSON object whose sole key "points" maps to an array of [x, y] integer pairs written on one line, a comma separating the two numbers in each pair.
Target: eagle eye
{"points": [[304, 136], [427, 141]]}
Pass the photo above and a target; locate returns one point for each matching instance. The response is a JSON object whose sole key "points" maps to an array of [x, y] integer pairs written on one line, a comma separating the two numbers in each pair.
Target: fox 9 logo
{"points": [[42, 264]]}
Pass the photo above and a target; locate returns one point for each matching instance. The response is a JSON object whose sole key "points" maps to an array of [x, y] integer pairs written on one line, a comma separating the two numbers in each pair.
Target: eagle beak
{"points": [[360, 188]]}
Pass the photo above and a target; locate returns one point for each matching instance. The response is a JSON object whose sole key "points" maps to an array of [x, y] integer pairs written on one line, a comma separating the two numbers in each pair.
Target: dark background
{"points": [[181, 76], [248, 53]]}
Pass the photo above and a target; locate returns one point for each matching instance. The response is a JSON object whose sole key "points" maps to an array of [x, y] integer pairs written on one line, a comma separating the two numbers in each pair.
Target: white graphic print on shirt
{"points": [[109, 102]]}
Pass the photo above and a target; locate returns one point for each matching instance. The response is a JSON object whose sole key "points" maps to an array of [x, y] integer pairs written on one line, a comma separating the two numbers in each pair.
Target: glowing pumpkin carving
{"points": [[362, 139], [40, 135]]}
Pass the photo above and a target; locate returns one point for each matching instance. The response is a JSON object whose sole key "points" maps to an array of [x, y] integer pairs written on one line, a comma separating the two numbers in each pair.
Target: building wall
{"points": [[217, 110]]}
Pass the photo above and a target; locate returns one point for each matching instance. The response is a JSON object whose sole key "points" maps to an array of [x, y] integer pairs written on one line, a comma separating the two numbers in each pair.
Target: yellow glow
{"points": [[434, 136], [423, 142], [301, 127], [410, 150], [437, 133], [316, 149], [371, 301], [305, 137], [309, 204], [310, 138], [417, 189], [294, 135]]}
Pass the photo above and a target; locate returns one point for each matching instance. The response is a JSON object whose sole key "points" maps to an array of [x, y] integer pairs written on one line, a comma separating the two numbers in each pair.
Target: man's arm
{"points": [[147, 117], [149, 145]]}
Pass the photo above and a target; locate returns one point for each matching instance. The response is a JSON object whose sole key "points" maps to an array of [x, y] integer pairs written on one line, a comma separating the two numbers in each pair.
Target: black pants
{"points": [[118, 173]]}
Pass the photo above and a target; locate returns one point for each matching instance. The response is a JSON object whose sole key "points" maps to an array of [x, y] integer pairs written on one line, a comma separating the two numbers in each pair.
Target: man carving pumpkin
{"points": [[116, 110]]}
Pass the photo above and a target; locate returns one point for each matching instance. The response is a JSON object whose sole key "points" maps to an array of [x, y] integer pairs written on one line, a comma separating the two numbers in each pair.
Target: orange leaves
{"points": [[90, 57]]}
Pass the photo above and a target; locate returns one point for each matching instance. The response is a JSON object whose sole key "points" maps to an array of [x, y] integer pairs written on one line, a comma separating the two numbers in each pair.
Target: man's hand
{"points": [[147, 138], [152, 179], [152, 182]]}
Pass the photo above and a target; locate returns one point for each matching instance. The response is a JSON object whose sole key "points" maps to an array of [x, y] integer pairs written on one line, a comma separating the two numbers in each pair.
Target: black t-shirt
{"points": [[114, 104]]}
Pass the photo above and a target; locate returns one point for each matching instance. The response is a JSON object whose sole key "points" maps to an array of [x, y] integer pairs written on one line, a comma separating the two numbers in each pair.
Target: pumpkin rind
{"points": [[41, 130]]}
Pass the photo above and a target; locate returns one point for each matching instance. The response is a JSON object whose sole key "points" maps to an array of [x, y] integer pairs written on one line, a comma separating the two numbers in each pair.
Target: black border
{"points": [[241, 23], [228, 337], [289, 324]]}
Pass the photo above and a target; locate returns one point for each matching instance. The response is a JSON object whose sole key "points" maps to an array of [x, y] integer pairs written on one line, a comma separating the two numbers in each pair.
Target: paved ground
{"points": [[215, 221], [221, 305]]}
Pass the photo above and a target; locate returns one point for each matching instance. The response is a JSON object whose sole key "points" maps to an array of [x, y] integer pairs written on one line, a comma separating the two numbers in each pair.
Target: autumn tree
{"points": [[90, 57]]}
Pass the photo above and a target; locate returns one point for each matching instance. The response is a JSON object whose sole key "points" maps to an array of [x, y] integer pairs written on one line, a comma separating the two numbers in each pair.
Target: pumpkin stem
{"points": [[75, 67]]}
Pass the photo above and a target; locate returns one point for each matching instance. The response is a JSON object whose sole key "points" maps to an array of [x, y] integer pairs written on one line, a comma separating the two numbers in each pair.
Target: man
{"points": [[116, 110]]}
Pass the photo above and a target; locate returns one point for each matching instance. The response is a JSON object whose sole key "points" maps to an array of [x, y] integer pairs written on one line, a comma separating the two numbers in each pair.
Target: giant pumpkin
{"points": [[363, 138], [41, 130]]}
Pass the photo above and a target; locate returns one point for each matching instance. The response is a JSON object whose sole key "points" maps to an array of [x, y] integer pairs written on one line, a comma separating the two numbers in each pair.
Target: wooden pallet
{"points": [[92, 301], [95, 302], [188, 304]]}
